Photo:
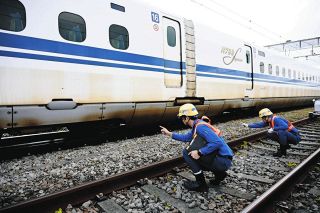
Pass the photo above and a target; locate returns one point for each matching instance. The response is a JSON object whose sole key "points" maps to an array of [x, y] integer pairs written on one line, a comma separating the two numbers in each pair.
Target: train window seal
{"points": [[118, 37], [171, 36], [72, 27], [118, 7], [12, 15]]}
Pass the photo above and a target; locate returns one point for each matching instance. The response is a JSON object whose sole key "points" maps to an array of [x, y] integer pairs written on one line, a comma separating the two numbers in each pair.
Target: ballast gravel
{"points": [[34, 176]]}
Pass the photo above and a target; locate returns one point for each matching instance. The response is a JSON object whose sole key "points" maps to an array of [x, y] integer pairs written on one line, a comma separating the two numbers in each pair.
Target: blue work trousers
{"points": [[219, 164], [283, 137]]}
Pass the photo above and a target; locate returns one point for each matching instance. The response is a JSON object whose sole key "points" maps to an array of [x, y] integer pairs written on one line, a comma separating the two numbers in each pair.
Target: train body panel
{"points": [[220, 63], [126, 61]]}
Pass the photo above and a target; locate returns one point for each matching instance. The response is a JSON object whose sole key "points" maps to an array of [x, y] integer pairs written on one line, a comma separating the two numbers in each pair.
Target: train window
{"points": [[294, 74], [118, 7], [299, 75], [118, 37], [270, 69], [289, 73], [12, 15], [261, 67], [248, 57], [72, 27], [171, 36], [303, 76], [277, 71], [283, 72], [261, 53]]}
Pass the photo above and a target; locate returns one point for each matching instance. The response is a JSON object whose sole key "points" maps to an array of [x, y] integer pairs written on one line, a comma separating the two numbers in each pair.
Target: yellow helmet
{"points": [[188, 110], [265, 112]]}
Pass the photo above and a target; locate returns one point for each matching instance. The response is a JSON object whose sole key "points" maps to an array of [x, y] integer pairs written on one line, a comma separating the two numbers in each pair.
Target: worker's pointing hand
{"points": [[165, 131], [245, 125]]}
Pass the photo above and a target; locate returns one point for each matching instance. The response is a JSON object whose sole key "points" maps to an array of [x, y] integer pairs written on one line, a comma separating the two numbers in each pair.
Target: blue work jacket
{"points": [[214, 142], [279, 124]]}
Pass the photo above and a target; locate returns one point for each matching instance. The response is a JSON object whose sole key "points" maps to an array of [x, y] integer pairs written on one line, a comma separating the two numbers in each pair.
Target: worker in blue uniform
{"points": [[281, 130], [206, 152]]}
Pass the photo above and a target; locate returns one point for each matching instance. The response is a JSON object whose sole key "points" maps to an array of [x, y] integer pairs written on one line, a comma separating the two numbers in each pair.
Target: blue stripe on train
{"points": [[24, 42], [30, 43], [81, 61], [242, 75]]}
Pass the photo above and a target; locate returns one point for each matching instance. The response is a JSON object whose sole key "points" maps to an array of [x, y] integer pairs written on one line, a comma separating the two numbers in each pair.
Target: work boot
{"points": [[288, 146], [199, 185], [282, 151], [218, 177]]}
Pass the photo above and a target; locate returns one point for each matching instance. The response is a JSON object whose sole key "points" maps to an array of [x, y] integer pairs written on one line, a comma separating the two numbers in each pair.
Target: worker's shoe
{"points": [[199, 185], [218, 177], [281, 152]]}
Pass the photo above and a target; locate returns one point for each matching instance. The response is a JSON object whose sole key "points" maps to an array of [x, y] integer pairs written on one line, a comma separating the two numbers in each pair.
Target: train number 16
{"points": [[155, 17]]}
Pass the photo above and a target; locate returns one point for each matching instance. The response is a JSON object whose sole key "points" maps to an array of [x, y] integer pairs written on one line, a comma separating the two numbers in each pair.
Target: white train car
{"points": [[126, 62]]}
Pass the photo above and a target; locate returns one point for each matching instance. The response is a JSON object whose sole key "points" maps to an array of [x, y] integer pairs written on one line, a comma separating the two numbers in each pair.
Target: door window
{"points": [[171, 36]]}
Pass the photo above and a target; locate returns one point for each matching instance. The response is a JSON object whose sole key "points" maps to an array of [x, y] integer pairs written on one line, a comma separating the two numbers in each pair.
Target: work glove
{"points": [[245, 125], [270, 130]]}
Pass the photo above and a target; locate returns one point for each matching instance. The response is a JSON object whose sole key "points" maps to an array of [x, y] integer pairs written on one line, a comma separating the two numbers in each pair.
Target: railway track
{"points": [[260, 175], [17, 146]]}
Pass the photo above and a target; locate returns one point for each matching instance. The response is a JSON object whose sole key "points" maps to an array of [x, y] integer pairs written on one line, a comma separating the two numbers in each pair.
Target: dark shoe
{"points": [[281, 152], [277, 154], [199, 185], [287, 146], [219, 176]]}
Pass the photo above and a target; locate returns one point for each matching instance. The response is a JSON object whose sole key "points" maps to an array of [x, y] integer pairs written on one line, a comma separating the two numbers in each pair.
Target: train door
{"points": [[249, 68], [172, 53]]}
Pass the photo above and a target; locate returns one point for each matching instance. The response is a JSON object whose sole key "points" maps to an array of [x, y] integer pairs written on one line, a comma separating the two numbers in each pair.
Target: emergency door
{"points": [[172, 53]]}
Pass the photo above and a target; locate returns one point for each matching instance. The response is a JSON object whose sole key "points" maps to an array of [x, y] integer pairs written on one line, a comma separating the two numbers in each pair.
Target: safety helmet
{"points": [[265, 112], [187, 110]]}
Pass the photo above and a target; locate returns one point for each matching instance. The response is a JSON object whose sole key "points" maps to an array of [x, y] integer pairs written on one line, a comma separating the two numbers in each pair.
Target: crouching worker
{"points": [[206, 152], [280, 130]]}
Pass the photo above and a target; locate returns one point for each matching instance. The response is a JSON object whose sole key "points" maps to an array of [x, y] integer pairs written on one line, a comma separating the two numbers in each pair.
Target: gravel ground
{"points": [[35, 176], [306, 197]]}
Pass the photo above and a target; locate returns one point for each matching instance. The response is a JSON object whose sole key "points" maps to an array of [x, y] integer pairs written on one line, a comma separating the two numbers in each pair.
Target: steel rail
{"points": [[84, 192], [283, 188]]}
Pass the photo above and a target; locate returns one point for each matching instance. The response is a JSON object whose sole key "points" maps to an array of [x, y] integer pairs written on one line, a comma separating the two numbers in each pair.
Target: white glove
{"points": [[270, 130], [245, 125]]}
